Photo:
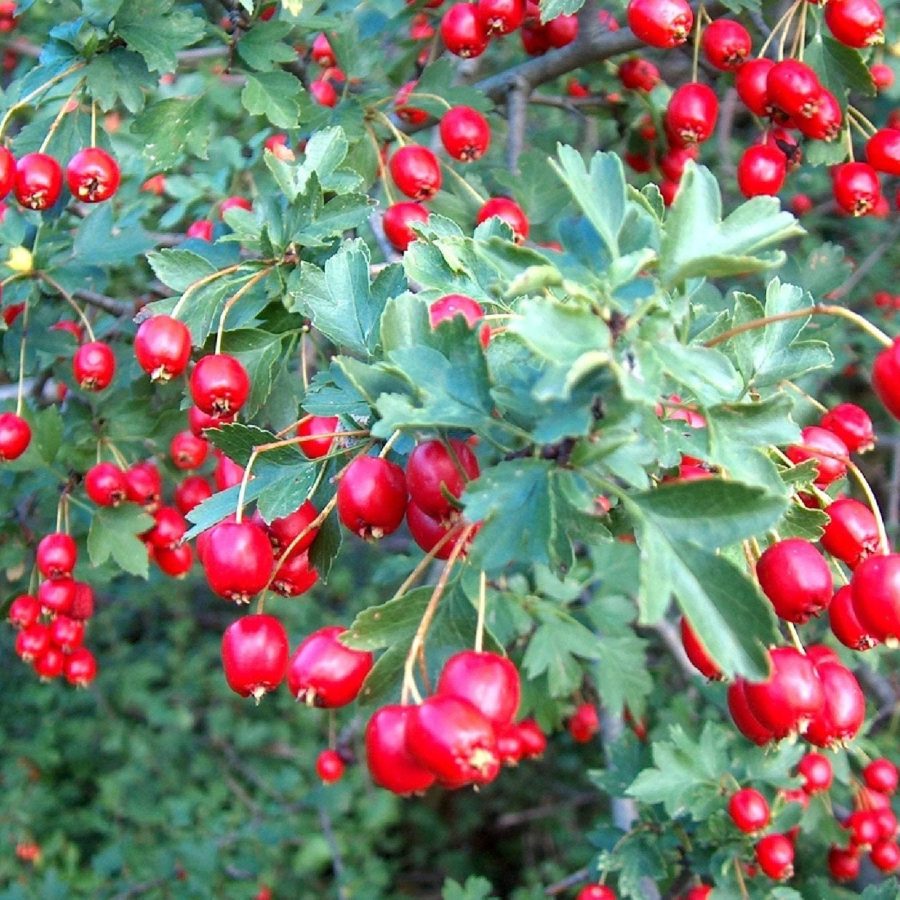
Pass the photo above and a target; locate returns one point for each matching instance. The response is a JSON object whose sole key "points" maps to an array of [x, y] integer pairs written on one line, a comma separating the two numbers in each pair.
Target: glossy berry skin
{"points": [[852, 424], [584, 724], [371, 497], [463, 32], [844, 708], [198, 420], [451, 305], [398, 220], [743, 716], [691, 114], [15, 436], [726, 44], [761, 171], [39, 181], [697, 652], [228, 473], [323, 672], [863, 828], [323, 92], [434, 471], [775, 856], [284, 531], [174, 561], [856, 23], [312, 426], [751, 83], [885, 855], [881, 775], [883, 151], [843, 865], [596, 892], [510, 212], [465, 133], [796, 579], [817, 773], [295, 576], [57, 595], [219, 384], [7, 171], [790, 697], [234, 203], [238, 560], [793, 88], [428, 532], [501, 16], [93, 175], [322, 52], [255, 654], [66, 634], [660, 23], [404, 110], [875, 587], [94, 366], [886, 378], [561, 30], [532, 738], [50, 664], [162, 347], [188, 451], [32, 641], [105, 484], [851, 534], [856, 187], [454, 740], [24, 611], [329, 766], [488, 681], [201, 230], [638, 74], [80, 667], [882, 75], [390, 764], [749, 810], [169, 527], [82, 602], [826, 448], [698, 892], [845, 624], [416, 171], [143, 485], [56, 555]]}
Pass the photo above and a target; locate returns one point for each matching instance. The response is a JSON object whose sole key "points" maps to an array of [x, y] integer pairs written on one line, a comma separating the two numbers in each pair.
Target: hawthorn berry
{"points": [[15, 436], [488, 681], [398, 220], [508, 211], [66, 634], [238, 560], [39, 180], [371, 497], [856, 23], [228, 473], [584, 723], [188, 451], [25, 610], [255, 654], [561, 30], [660, 23], [875, 587], [143, 485], [284, 530], [856, 187], [219, 384], [726, 44], [56, 555], [638, 74], [852, 424], [323, 92], [500, 16], [886, 378], [7, 171], [844, 623], [162, 347], [94, 366], [796, 579], [451, 305], [596, 892], [775, 855], [93, 175], [761, 171], [295, 576], [50, 664], [234, 203], [691, 114], [697, 652], [105, 484], [32, 641], [843, 709], [416, 171], [816, 771], [318, 431], [463, 31], [191, 492], [885, 855], [324, 672], [330, 766], [411, 114], [201, 230], [749, 810], [790, 697], [881, 775], [851, 533], [82, 601], [465, 133], [322, 52], [843, 865], [388, 760], [534, 741], [198, 420], [175, 561], [169, 527], [437, 474], [882, 75], [751, 83], [826, 448]]}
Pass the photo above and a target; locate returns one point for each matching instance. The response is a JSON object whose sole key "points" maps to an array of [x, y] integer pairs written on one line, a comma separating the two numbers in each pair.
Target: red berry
{"points": [[816, 771], [295, 576], [174, 561], [749, 810], [691, 114], [143, 484], [790, 697], [39, 181], [883, 151], [416, 171], [699, 892], [50, 664], [238, 560], [66, 634], [844, 623], [887, 823], [751, 84], [105, 484], [465, 133], [437, 472], [856, 187], [398, 221], [201, 230], [507, 210], [162, 346], [796, 579], [390, 764], [852, 424], [24, 611], [404, 110], [451, 305], [863, 827], [93, 175], [219, 384], [801, 204], [56, 555], [15, 436], [885, 855], [228, 473], [463, 32], [234, 203], [329, 766], [371, 497], [94, 366], [534, 741], [843, 865], [82, 602], [638, 74], [57, 595], [534, 37], [191, 492], [562, 30], [501, 16], [844, 708], [697, 652], [886, 378], [428, 532], [199, 420], [826, 448], [775, 855], [7, 171], [169, 527], [584, 724], [188, 451], [488, 681], [881, 775], [312, 427], [255, 654], [793, 88], [851, 534], [322, 52], [596, 892], [882, 76], [283, 531], [323, 92], [323, 672], [761, 171], [726, 44], [660, 23], [80, 667], [875, 589], [856, 23], [743, 716], [454, 740], [32, 641]]}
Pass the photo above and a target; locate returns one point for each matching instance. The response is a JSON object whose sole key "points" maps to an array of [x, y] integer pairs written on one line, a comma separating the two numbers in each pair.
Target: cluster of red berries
{"points": [[8, 20], [51, 624], [36, 179], [887, 302], [202, 229]]}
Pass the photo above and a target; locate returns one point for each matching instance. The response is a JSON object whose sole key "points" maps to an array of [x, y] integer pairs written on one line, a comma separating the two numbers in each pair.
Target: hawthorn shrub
{"points": [[484, 390]]}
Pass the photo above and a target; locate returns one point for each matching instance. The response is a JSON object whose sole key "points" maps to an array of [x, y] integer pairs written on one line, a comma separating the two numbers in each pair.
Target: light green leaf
{"points": [[275, 95], [114, 534]]}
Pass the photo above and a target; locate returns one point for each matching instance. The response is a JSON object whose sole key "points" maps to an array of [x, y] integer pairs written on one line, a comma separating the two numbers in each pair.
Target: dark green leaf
{"points": [[275, 95], [114, 534], [157, 32]]}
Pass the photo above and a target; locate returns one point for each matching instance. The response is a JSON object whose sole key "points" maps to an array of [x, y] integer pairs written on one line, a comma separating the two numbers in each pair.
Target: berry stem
{"points": [[783, 22], [482, 604], [799, 41], [304, 362], [463, 183], [114, 450], [20, 388], [420, 567], [434, 97], [253, 280], [698, 31], [388, 444], [380, 163], [872, 503], [818, 309], [93, 123], [28, 98], [53, 283], [821, 407], [399, 136], [59, 117], [795, 638], [854, 113], [208, 279]]}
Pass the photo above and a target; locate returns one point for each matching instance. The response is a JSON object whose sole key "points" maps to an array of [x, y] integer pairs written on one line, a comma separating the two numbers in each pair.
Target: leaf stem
{"points": [[20, 388], [53, 283], [202, 282], [465, 184], [698, 31], [872, 502], [59, 117], [28, 98]]}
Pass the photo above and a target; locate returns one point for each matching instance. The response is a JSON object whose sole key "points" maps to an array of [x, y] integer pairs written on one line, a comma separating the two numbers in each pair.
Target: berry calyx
{"points": [[188, 451], [39, 180], [726, 44], [691, 114], [255, 654], [463, 32], [162, 347], [93, 175], [219, 384]]}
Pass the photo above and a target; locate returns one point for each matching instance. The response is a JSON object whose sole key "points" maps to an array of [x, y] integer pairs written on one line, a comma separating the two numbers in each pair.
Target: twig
{"points": [[517, 116], [337, 863], [107, 304], [866, 266]]}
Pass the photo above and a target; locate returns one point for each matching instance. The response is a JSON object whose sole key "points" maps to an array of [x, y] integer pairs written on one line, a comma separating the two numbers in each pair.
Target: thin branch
{"points": [[866, 266], [107, 304], [517, 116]]}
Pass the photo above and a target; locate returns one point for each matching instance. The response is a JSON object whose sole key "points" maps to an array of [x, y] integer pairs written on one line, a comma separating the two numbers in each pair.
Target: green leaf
{"points": [[623, 679], [156, 31], [554, 649], [550, 9], [170, 127], [114, 534], [710, 512], [260, 353], [179, 269], [224, 503], [100, 240], [262, 47], [599, 191], [275, 95], [697, 242], [326, 546], [706, 373], [237, 442], [118, 75], [840, 68], [288, 493], [47, 433], [475, 888]]}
